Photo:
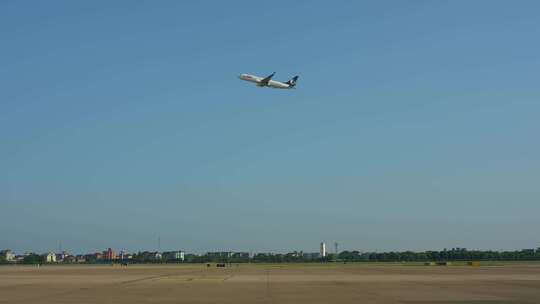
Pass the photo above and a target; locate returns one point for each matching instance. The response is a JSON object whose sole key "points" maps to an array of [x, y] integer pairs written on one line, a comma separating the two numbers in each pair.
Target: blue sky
{"points": [[414, 125]]}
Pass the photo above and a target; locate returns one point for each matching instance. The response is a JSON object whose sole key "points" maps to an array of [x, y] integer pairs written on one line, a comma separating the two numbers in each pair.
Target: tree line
{"points": [[454, 254]]}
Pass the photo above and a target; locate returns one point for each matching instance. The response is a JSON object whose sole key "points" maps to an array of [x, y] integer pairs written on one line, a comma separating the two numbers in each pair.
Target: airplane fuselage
{"points": [[271, 83]]}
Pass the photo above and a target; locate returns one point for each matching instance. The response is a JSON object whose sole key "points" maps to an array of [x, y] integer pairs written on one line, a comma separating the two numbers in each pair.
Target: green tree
{"points": [[33, 259]]}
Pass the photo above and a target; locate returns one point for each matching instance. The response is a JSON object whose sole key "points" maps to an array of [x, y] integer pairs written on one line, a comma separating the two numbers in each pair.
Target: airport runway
{"points": [[293, 283]]}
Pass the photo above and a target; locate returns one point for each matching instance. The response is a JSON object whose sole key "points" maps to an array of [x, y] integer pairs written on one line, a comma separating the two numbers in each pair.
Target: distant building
{"points": [[69, 259], [220, 254], [50, 257], [109, 255], [241, 255], [8, 255], [151, 256], [92, 257], [60, 257], [125, 256], [323, 250], [296, 254], [173, 256]]}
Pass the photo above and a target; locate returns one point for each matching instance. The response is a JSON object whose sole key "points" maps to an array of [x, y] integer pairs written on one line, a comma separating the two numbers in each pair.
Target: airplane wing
{"points": [[266, 80]]}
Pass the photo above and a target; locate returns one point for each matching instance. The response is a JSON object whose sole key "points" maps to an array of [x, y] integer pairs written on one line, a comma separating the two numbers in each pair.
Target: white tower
{"points": [[323, 250]]}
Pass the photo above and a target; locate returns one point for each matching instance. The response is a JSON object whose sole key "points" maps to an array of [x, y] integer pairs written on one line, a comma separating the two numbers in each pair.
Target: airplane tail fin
{"points": [[292, 82]]}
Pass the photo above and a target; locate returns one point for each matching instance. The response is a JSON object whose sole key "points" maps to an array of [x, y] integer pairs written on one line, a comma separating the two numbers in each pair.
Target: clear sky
{"points": [[414, 125]]}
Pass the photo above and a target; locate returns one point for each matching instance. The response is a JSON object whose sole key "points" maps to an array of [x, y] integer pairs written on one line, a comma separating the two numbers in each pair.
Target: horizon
{"points": [[413, 125], [331, 252]]}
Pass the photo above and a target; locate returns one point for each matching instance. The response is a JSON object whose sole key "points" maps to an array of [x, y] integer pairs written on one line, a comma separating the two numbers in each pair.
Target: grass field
{"points": [[272, 283]]}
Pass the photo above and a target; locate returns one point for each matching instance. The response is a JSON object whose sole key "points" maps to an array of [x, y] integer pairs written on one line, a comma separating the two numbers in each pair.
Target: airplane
{"points": [[268, 82]]}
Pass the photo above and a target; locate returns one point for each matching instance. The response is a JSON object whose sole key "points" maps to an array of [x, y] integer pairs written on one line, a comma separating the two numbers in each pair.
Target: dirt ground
{"points": [[338, 283]]}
